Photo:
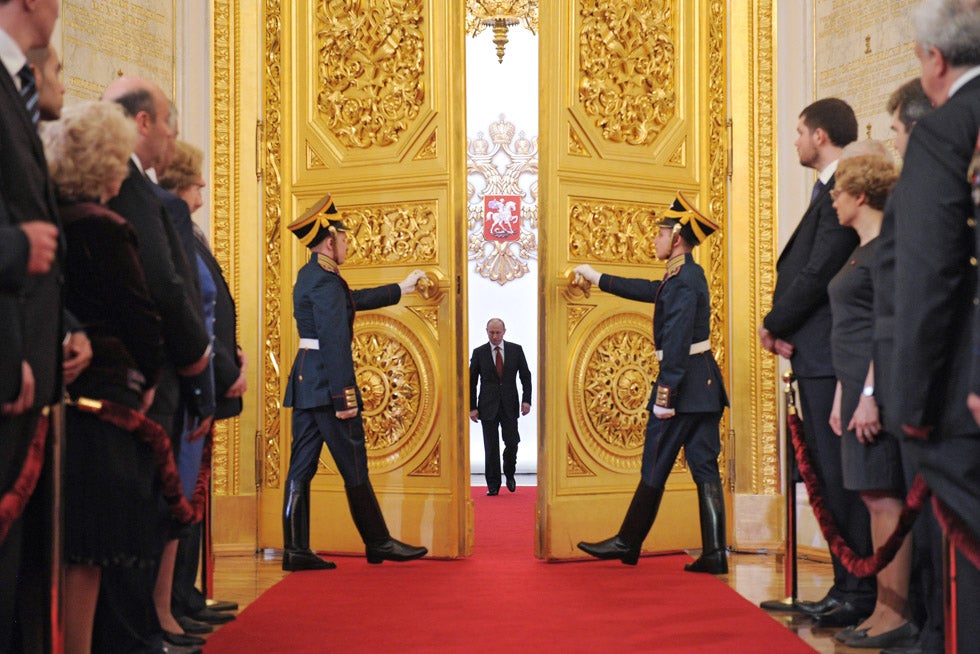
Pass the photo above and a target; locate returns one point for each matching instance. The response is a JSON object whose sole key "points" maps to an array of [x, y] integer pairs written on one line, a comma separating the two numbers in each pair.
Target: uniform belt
{"points": [[309, 344], [696, 348]]}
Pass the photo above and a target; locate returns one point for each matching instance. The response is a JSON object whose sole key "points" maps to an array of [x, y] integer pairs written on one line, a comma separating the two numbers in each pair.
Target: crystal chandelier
{"points": [[500, 15]]}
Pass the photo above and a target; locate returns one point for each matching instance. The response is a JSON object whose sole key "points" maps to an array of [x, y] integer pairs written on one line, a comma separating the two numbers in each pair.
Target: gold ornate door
{"points": [[635, 111], [364, 100]]}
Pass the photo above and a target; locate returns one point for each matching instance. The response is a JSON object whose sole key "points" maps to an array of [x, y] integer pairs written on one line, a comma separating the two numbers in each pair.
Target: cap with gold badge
{"points": [[316, 223], [691, 223]]}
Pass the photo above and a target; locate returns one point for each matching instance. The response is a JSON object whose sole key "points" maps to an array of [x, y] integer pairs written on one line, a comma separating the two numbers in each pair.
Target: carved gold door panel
{"points": [[363, 100], [635, 111]]}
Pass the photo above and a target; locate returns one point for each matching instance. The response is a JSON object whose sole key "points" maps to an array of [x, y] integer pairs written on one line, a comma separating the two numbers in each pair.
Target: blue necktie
{"points": [[817, 188], [28, 93]]}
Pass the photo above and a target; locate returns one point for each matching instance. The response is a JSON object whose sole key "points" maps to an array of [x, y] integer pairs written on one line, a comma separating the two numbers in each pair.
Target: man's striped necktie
{"points": [[28, 93]]}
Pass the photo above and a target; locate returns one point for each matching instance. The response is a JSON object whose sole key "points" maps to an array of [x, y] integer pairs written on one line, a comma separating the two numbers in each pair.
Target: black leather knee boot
{"points": [[626, 545], [370, 523], [711, 503], [297, 554]]}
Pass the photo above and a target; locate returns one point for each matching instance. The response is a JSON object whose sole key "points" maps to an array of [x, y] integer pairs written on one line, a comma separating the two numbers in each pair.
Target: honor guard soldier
{"points": [[688, 397], [323, 392]]}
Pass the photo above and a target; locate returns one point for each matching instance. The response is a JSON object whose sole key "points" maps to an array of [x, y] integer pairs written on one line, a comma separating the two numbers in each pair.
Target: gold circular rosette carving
{"points": [[395, 377], [611, 376]]}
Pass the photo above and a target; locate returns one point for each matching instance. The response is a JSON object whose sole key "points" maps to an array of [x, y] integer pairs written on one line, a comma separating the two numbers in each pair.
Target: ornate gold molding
{"points": [[381, 235], [611, 232], [272, 190], [370, 79], [627, 66], [397, 384]]}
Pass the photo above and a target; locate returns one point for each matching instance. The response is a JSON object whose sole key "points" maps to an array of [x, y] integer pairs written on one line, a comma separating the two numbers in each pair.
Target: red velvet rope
{"points": [[154, 435], [13, 501], [914, 501]]}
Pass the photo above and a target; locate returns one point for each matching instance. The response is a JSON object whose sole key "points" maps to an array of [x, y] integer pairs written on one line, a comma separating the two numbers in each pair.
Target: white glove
{"points": [[663, 412], [588, 272], [408, 284]]}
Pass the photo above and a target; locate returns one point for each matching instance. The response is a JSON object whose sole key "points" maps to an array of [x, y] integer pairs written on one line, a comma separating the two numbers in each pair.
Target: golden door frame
{"points": [[246, 121]]}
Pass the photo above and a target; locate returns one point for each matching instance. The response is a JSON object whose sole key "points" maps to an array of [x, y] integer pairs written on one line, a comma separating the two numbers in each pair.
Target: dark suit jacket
{"points": [[26, 195], [324, 307], [800, 311], [226, 364], [935, 277], [498, 396]]}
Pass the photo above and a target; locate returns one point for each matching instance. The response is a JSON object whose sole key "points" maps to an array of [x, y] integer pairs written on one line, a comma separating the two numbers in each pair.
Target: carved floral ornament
{"points": [[627, 67], [370, 76], [502, 205]]}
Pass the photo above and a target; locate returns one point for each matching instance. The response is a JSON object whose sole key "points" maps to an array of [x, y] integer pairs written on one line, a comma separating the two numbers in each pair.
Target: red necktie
{"points": [[500, 362]]}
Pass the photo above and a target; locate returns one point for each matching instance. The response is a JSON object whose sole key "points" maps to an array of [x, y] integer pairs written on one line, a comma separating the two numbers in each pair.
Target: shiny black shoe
{"points": [[610, 549], [713, 563], [511, 483], [845, 615], [221, 605], [182, 640], [493, 491], [191, 626], [821, 606], [394, 550], [293, 560], [211, 616], [905, 636]]}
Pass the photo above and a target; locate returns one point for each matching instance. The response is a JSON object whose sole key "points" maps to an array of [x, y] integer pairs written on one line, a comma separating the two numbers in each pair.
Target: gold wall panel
{"points": [[611, 232], [405, 233]]}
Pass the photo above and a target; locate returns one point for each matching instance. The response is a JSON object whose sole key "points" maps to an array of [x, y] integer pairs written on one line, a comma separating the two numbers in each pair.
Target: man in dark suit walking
{"points": [[798, 328], [496, 366], [934, 291], [30, 331]]}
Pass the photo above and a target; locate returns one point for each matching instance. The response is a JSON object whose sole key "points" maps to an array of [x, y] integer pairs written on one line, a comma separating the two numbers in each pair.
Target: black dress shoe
{"points": [[511, 483], [221, 605], [904, 636], [813, 609], [714, 563], [612, 548], [293, 560], [182, 640], [176, 649], [212, 617], [394, 550], [845, 615], [191, 626], [492, 491]]}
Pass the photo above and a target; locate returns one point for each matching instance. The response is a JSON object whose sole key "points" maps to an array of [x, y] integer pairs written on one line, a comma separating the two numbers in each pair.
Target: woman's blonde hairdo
{"points": [[871, 174], [88, 148], [185, 168]]}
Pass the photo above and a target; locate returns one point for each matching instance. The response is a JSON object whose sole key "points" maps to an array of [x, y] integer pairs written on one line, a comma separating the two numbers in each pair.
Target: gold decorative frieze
{"points": [[429, 316], [397, 384], [576, 312], [370, 81], [574, 466], [613, 232], [612, 373], [627, 66], [313, 159], [575, 145], [383, 235], [272, 221], [428, 150], [502, 205]]}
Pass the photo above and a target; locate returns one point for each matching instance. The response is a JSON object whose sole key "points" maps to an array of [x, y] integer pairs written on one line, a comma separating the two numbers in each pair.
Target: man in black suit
{"points": [[798, 328], [126, 612], [934, 291], [30, 330], [496, 366]]}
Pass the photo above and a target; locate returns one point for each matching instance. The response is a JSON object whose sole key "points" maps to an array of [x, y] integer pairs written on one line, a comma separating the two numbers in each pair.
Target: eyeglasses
{"points": [[835, 193]]}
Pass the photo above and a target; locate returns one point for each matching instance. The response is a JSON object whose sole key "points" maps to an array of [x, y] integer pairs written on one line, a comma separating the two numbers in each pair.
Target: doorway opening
{"points": [[502, 215]]}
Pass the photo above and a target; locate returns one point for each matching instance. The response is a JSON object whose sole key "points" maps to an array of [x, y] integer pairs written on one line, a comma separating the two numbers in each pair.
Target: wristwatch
{"points": [[868, 391]]}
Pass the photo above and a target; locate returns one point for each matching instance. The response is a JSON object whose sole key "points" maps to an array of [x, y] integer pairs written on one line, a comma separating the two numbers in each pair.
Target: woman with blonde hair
{"points": [[870, 457], [114, 509]]}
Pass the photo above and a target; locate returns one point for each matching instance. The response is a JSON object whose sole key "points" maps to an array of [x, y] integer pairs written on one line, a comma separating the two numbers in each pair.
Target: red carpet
{"points": [[502, 599]]}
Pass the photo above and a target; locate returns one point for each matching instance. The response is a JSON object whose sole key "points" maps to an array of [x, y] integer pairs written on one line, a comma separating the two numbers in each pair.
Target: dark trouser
{"points": [[25, 554], [344, 438], [696, 432], [186, 599], [951, 467], [125, 618], [848, 510], [507, 428]]}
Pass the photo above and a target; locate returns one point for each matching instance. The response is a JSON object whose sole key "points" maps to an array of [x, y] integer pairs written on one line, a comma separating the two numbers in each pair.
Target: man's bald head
{"points": [[146, 104]]}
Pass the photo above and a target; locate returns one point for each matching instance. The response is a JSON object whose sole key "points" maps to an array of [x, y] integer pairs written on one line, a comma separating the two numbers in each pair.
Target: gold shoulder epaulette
{"points": [[327, 263]]}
